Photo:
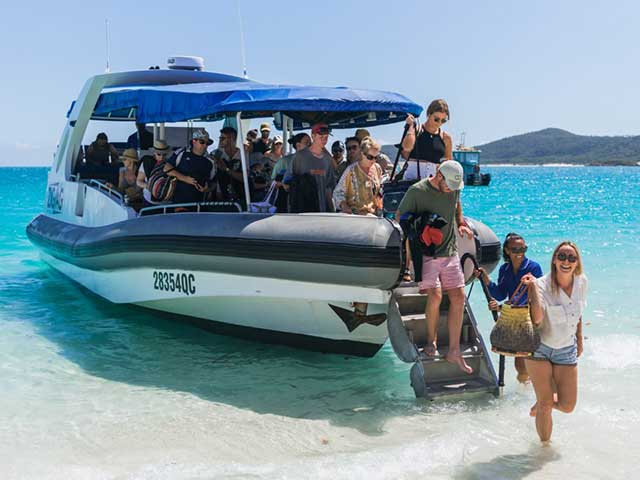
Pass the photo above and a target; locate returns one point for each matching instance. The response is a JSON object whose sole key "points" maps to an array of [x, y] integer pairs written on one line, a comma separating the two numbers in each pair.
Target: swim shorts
{"points": [[441, 272]]}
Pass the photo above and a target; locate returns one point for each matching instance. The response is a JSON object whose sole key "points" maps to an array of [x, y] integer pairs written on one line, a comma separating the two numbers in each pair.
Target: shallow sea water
{"points": [[94, 390]]}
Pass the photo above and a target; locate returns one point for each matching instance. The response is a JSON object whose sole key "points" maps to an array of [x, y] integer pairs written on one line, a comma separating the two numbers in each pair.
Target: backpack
{"points": [[161, 185], [426, 232], [303, 196]]}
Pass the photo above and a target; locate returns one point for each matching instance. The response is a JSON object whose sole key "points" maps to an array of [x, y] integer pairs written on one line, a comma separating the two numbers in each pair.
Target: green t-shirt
{"points": [[423, 197]]}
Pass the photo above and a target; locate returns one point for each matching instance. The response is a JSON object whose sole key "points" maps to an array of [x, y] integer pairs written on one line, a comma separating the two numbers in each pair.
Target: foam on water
{"points": [[94, 390]]}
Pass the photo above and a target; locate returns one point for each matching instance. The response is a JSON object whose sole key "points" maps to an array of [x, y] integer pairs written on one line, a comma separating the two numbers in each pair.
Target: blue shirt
{"points": [[509, 281]]}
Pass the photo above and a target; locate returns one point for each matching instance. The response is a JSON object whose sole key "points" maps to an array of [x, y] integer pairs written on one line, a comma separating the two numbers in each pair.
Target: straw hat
{"points": [[160, 146], [131, 154]]}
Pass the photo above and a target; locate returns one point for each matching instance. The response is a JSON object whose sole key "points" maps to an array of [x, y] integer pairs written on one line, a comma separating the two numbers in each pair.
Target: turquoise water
{"points": [[94, 390]]}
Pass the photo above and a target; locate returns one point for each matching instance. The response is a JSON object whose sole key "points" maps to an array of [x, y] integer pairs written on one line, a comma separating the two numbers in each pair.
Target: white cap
{"points": [[453, 174]]}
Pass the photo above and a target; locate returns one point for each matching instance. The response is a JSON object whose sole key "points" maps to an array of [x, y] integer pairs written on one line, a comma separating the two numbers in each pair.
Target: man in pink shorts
{"points": [[440, 195]]}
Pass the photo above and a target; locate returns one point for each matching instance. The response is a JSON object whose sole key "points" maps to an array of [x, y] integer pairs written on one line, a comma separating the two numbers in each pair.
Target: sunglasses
{"points": [[202, 142], [519, 249], [371, 157], [439, 120], [566, 257], [161, 154], [352, 147]]}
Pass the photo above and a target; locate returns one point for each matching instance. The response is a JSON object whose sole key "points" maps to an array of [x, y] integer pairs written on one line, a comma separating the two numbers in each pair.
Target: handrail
{"points": [[144, 211], [487, 294], [103, 188]]}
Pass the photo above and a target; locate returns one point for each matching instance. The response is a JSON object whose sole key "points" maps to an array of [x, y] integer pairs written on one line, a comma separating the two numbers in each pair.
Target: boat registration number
{"points": [[174, 282]]}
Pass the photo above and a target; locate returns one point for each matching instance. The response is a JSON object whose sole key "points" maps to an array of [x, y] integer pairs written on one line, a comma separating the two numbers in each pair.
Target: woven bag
{"points": [[513, 333]]}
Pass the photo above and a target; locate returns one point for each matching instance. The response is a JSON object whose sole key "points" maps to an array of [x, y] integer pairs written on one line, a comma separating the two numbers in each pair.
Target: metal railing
{"points": [[198, 207], [108, 190]]}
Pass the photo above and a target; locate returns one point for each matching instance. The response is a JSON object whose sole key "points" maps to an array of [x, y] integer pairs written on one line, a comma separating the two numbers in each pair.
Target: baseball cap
{"points": [[277, 139], [321, 128], [265, 126], [337, 146], [453, 174]]}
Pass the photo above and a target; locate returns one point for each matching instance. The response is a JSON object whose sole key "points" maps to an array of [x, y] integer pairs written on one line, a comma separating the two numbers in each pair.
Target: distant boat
{"points": [[469, 157]]}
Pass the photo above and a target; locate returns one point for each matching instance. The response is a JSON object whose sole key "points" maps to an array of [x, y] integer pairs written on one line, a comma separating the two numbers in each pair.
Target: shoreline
{"points": [[571, 165]]}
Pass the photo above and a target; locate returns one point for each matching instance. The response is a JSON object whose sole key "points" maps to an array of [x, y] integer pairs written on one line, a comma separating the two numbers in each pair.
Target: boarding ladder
{"points": [[433, 377]]}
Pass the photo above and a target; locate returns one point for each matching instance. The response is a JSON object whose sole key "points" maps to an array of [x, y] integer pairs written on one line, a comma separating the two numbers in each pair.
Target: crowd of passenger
{"points": [[346, 176]]}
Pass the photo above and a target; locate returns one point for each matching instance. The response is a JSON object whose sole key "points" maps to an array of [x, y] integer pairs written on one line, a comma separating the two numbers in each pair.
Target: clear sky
{"points": [[505, 67]]}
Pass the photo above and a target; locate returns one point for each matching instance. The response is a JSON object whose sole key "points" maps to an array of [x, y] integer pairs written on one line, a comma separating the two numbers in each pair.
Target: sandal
{"points": [[406, 275]]}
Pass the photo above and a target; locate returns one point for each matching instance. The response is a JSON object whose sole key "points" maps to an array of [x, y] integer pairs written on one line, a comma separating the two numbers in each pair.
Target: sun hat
{"points": [[453, 174], [264, 126], [160, 146], [202, 135], [130, 153]]}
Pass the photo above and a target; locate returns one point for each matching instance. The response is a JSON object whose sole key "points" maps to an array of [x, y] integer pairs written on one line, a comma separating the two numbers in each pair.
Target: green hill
{"points": [[553, 145]]}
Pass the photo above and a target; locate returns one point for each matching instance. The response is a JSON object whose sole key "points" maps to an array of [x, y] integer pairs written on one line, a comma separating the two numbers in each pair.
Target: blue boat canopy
{"points": [[340, 107]]}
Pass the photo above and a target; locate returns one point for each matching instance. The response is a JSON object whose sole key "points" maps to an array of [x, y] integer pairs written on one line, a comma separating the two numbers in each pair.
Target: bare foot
{"points": [[456, 358], [430, 350]]}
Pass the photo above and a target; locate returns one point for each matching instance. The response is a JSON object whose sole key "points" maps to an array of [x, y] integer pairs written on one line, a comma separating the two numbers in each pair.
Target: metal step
{"points": [[433, 376], [416, 326], [460, 387]]}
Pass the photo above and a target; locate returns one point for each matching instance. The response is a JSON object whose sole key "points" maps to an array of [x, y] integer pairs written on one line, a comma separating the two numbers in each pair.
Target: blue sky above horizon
{"points": [[504, 67]]}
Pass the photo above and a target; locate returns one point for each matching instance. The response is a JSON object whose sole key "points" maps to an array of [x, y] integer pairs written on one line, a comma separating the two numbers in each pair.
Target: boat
{"points": [[469, 158], [281, 278]]}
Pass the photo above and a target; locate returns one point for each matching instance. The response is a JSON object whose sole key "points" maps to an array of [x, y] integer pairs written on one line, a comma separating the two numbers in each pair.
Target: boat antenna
{"points": [[242, 51], [106, 31]]}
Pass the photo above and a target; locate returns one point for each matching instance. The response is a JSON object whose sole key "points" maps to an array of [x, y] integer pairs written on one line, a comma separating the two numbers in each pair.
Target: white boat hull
{"points": [[272, 310]]}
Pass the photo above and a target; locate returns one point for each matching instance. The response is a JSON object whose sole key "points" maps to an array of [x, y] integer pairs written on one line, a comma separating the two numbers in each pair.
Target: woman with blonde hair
{"points": [[557, 302], [359, 189]]}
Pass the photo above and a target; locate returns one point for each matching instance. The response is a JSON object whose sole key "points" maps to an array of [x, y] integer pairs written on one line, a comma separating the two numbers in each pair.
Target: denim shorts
{"points": [[557, 356]]}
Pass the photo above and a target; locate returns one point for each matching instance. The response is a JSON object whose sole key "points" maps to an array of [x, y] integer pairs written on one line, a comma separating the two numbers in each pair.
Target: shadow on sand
{"points": [[512, 466]]}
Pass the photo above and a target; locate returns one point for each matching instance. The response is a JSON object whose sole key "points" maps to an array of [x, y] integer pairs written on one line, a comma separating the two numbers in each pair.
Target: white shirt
{"points": [[561, 312]]}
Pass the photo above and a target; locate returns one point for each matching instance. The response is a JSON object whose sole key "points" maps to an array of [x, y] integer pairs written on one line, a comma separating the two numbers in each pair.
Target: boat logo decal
{"points": [[184, 283], [354, 319], [55, 196]]}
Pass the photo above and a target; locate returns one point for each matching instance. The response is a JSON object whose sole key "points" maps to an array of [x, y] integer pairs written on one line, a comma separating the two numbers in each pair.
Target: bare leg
{"points": [[454, 320], [521, 368], [541, 373], [566, 380], [432, 314], [407, 266]]}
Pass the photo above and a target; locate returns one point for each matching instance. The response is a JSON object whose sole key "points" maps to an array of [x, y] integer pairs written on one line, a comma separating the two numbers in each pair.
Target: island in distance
{"points": [[553, 145], [556, 146]]}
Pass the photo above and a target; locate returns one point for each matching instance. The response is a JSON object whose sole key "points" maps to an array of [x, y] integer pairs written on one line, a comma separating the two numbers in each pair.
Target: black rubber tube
{"points": [[487, 294]]}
